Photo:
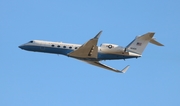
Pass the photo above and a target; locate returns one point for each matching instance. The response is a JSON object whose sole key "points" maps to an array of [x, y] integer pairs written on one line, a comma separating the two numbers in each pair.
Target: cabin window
{"points": [[52, 45], [64, 46], [70, 47], [58, 46], [75, 48]]}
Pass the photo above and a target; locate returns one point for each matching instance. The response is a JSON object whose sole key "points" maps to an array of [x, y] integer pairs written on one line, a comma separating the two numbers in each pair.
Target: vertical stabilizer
{"points": [[139, 43]]}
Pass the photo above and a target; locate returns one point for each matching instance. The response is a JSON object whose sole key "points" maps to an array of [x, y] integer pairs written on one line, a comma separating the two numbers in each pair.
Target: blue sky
{"points": [[38, 79]]}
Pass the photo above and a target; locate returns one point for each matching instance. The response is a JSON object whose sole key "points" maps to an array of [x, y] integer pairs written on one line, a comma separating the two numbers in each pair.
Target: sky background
{"points": [[39, 79]]}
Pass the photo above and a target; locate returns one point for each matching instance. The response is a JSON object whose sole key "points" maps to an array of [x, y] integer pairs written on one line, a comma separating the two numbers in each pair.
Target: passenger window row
{"points": [[64, 47]]}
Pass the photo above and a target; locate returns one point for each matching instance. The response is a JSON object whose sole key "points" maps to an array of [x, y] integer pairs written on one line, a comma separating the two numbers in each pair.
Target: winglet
{"points": [[125, 69], [98, 35]]}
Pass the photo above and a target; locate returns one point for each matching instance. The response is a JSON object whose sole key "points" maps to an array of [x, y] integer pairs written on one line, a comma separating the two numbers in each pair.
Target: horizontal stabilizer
{"points": [[153, 41]]}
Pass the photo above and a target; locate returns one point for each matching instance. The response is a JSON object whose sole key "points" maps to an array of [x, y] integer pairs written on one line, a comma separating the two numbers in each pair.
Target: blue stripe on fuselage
{"points": [[65, 51]]}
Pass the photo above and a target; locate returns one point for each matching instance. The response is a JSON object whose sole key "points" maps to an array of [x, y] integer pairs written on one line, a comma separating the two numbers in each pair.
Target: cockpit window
{"points": [[30, 41]]}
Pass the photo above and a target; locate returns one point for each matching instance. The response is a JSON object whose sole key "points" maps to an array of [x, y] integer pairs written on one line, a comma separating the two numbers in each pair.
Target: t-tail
{"points": [[139, 43]]}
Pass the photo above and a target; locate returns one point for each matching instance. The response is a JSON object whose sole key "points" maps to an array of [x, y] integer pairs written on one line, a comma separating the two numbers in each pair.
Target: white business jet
{"points": [[89, 52]]}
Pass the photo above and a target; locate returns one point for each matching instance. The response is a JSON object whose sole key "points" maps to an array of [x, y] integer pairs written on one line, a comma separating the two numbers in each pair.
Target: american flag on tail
{"points": [[138, 44]]}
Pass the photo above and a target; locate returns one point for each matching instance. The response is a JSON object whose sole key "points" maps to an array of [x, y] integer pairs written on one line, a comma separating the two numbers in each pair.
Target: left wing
{"points": [[98, 64], [87, 50]]}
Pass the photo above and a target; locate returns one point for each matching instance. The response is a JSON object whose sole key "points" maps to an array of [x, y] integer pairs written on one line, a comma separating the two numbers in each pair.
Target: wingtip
{"points": [[161, 45], [98, 35], [125, 69]]}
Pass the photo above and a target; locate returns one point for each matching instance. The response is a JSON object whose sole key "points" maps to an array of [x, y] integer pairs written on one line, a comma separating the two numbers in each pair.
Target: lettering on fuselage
{"points": [[133, 48]]}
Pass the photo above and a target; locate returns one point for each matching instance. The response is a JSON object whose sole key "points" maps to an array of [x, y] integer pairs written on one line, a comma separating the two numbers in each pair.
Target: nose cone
{"points": [[21, 46]]}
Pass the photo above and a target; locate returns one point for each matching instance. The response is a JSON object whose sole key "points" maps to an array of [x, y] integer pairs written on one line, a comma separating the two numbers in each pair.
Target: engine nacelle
{"points": [[105, 47]]}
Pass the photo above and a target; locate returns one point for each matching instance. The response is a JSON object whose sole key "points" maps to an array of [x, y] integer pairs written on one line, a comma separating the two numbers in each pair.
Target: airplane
{"points": [[90, 53]]}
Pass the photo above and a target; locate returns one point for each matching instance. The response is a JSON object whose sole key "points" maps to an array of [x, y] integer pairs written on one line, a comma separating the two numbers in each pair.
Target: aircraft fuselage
{"points": [[104, 53]]}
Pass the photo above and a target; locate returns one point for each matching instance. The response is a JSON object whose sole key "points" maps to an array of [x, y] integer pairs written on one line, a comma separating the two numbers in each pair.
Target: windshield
{"points": [[30, 41]]}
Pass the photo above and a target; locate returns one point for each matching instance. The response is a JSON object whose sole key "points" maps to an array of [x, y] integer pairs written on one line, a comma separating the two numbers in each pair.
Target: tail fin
{"points": [[139, 43]]}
